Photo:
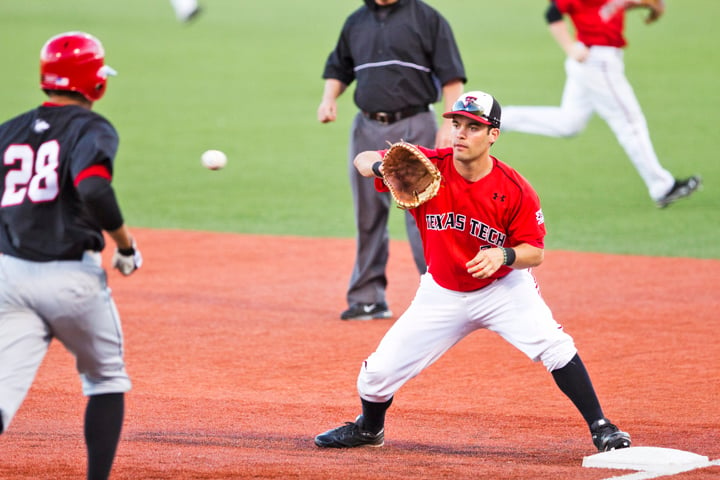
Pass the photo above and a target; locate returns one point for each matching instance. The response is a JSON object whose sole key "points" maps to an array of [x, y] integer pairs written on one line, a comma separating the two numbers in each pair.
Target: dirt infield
{"points": [[238, 359]]}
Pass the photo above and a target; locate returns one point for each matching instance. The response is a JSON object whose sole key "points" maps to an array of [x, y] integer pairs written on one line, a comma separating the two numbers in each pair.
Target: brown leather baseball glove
{"points": [[655, 8], [409, 175]]}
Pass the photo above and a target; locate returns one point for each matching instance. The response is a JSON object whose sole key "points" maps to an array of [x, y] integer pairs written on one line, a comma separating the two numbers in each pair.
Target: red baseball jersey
{"points": [[500, 210], [597, 22]]}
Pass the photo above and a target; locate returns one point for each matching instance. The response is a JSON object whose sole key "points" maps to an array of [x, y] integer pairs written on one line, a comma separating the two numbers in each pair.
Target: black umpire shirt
{"points": [[401, 55], [46, 152]]}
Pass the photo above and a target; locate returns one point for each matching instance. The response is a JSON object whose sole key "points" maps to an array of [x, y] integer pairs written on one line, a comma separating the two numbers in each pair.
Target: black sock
{"points": [[574, 381], [103, 423], [374, 415]]}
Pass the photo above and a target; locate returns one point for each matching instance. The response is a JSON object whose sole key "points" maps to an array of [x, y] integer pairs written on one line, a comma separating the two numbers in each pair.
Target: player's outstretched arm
{"points": [[364, 162]]}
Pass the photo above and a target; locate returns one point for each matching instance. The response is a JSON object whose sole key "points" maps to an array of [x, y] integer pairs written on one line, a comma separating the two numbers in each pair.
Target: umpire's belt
{"points": [[386, 118]]}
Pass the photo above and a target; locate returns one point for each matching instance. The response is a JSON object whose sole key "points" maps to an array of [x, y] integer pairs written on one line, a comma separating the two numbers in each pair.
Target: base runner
{"points": [[55, 202]]}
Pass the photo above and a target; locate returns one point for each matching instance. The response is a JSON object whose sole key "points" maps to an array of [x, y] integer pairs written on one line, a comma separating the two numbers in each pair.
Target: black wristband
{"points": [[376, 169], [508, 256], [126, 251]]}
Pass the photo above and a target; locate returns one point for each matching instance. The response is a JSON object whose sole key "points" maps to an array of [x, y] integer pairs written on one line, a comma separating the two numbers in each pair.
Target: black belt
{"points": [[386, 118]]}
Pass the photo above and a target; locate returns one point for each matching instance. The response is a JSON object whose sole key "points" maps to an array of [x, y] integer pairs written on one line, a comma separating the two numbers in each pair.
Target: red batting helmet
{"points": [[74, 61]]}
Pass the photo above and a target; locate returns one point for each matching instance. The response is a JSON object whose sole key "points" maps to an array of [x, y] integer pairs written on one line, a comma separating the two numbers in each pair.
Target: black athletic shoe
{"points": [[607, 436], [366, 311], [192, 15], [681, 189], [350, 435]]}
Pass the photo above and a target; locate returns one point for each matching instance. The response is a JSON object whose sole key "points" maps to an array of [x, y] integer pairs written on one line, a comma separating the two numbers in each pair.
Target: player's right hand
{"points": [[485, 263]]}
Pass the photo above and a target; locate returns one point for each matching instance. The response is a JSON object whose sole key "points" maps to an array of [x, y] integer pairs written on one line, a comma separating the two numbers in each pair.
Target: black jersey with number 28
{"points": [[45, 153]]}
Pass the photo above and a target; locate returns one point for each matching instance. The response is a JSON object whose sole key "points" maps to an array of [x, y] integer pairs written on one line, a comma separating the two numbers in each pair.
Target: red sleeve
{"points": [[528, 225], [380, 185]]}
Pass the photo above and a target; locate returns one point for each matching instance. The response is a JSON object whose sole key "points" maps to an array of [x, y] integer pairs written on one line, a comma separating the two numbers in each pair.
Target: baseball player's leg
{"points": [[527, 323], [432, 324], [24, 338], [615, 101], [83, 316], [368, 279], [569, 119], [103, 424], [24, 341], [513, 308], [574, 381]]}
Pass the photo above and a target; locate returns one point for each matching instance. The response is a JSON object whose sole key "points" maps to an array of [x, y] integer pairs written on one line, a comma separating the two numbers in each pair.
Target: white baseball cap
{"points": [[479, 106]]}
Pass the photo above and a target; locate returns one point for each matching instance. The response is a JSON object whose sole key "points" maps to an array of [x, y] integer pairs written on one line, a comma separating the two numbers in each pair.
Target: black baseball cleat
{"points": [[681, 189], [192, 15], [607, 436], [366, 311], [350, 435]]}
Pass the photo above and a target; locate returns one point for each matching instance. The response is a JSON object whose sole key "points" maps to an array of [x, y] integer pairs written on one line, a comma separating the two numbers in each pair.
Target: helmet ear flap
{"points": [[74, 61]]}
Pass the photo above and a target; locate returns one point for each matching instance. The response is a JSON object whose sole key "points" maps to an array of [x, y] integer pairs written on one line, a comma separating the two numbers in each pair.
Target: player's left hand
{"points": [[485, 263], [127, 260]]}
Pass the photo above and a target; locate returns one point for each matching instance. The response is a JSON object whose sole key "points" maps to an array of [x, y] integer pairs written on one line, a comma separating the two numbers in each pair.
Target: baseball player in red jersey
{"points": [[482, 234], [55, 202], [596, 82]]}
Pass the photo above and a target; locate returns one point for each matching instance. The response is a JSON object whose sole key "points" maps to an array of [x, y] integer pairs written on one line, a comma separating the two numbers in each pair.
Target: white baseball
{"points": [[213, 159]]}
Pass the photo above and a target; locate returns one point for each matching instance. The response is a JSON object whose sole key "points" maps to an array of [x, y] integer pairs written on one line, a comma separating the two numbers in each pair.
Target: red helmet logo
{"points": [[74, 61]]}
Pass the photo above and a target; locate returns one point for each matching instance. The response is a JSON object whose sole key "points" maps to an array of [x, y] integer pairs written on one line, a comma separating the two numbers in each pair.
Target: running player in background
{"points": [[481, 235], [596, 82], [55, 202]]}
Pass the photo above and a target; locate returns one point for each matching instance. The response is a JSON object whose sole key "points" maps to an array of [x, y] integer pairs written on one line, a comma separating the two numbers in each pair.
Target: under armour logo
{"points": [[497, 196]]}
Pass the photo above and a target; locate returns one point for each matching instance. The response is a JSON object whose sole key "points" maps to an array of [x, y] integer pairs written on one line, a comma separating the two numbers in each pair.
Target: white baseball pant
{"points": [[438, 318]]}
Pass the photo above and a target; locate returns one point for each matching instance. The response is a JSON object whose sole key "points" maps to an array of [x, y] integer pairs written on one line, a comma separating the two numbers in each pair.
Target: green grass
{"points": [[245, 78]]}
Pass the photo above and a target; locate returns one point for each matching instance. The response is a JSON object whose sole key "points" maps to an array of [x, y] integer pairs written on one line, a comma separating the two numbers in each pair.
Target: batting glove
{"points": [[127, 260]]}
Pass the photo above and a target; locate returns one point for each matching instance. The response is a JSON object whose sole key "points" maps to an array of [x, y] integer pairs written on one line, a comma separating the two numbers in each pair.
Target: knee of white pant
{"points": [[119, 383], [570, 128], [374, 386], [558, 355]]}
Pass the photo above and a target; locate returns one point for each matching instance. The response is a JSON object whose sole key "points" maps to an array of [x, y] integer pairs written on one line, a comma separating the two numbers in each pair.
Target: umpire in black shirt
{"points": [[404, 57]]}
